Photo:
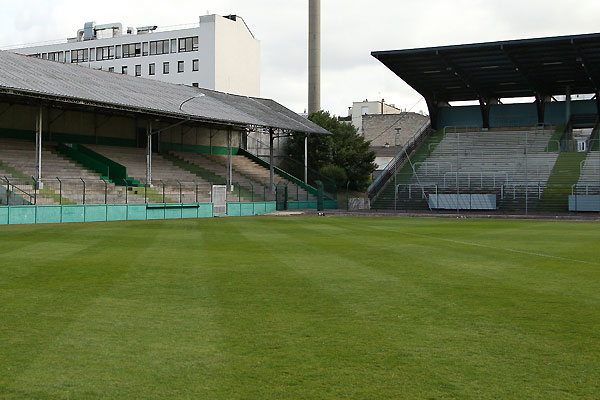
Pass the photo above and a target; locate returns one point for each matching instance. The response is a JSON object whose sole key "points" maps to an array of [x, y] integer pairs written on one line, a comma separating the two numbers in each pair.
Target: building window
{"points": [[132, 50], [195, 65], [166, 68], [152, 69], [173, 45], [159, 47], [118, 51], [56, 56], [180, 66], [124, 70], [145, 49], [195, 84], [138, 70], [45, 56], [105, 53], [188, 44], [111, 69], [78, 56]]}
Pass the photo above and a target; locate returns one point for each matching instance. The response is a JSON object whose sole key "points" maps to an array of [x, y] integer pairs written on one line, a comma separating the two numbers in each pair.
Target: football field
{"points": [[301, 308]]}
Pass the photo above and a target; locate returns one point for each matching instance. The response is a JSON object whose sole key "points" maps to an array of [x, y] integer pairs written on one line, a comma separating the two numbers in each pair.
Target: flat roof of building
{"points": [[43, 80], [507, 69]]}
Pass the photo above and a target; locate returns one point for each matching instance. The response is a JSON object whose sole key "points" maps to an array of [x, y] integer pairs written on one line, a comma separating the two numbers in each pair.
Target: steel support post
{"points": [[229, 162], [271, 160], [38, 147], [149, 154], [306, 159]]}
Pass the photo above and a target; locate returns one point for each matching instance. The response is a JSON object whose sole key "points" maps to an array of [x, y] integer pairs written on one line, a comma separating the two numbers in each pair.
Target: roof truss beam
{"points": [[584, 64], [450, 66], [523, 72]]}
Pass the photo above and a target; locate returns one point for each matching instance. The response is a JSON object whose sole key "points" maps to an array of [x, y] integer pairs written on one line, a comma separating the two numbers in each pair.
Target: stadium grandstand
{"points": [[513, 128], [78, 144]]}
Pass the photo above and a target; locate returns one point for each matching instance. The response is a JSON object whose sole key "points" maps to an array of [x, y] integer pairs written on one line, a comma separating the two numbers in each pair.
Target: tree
{"points": [[344, 149]]}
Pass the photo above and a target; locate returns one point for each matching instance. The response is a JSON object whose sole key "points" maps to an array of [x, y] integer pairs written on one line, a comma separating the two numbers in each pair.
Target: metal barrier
{"points": [[71, 191], [514, 166]]}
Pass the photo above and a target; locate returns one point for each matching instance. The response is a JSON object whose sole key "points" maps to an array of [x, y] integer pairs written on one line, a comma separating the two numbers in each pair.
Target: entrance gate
{"points": [[219, 199]]}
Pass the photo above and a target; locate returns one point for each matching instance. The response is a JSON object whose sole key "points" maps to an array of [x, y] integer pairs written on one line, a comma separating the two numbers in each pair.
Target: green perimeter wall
{"points": [[19, 215]]}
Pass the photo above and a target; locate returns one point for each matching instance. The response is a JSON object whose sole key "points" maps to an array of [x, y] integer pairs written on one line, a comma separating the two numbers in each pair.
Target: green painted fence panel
{"points": [[233, 209], [155, 213], [73, 214], [48, 214], [189, 212], [117, 212], [95, 213], [172, 213], [3, 215], [21, 215], [137, 212], [205, 211], [247, 209]]}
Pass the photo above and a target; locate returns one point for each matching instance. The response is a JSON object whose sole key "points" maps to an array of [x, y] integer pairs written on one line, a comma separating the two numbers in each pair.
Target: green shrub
{"points": [[335, 173]]}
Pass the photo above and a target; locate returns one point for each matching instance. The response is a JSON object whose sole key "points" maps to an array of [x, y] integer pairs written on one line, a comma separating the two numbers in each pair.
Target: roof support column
{"points": [[485, 112], [271, 157], [229, 162], [149, 154], [540, 101], [306, 159], [38, 147], [568, 105], [433, 112]]}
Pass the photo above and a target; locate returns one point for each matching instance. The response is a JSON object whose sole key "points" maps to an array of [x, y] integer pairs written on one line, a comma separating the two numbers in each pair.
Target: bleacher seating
{"points": [[164, 173], [589, 178], [489, 159], [20, 158], [244, 171], [172, 182]]}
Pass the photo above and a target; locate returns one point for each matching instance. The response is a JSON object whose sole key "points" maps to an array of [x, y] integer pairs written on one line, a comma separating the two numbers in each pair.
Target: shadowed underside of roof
{"points": [[32, 77], [484, 71]]}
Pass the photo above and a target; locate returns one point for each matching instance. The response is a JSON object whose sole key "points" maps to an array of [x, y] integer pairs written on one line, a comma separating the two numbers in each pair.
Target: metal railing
{"points": [[399, 159], [511, 166], [71, 191]]}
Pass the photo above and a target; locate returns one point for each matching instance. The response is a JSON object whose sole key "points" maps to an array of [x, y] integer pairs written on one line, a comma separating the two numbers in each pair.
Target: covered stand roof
{"points": [[515, 68], [30, 77]]}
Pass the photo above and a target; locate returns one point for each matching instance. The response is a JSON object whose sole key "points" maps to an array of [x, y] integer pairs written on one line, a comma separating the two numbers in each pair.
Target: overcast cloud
{"points": [[350, 31]]}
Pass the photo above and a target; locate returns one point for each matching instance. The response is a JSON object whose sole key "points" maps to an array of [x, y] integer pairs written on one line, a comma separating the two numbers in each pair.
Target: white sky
{"points": [[350, 31]]}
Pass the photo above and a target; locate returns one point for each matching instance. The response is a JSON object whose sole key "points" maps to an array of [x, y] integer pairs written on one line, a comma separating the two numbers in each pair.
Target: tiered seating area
{"points": [[489, 160], [18, 165], [245, 172], [164, 173], [176, 177], [589, 178]]}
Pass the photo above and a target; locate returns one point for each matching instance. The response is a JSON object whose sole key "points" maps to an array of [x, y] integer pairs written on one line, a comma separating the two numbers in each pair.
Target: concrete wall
{"points": [[237, 58], [381, 129], [200, 137], [465, 116], [361, 108]]}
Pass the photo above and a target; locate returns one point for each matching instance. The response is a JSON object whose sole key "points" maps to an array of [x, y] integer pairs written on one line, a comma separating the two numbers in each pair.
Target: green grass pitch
{"points": [[301, 308]]}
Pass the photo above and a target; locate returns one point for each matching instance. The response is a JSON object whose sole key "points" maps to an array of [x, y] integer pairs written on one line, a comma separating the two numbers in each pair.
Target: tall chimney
{"points": [[314, 56]]}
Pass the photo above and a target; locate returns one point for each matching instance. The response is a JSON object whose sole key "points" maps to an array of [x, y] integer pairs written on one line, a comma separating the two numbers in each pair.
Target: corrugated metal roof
{"points": [[67, 82]]}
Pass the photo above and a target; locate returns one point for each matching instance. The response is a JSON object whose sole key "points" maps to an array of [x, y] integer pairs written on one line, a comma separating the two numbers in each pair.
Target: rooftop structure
{"points": [[489, 72], [208, 54]]}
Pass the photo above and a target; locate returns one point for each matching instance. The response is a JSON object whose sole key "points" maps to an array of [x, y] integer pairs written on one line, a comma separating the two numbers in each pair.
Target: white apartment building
{"points": [[220, 53]]}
